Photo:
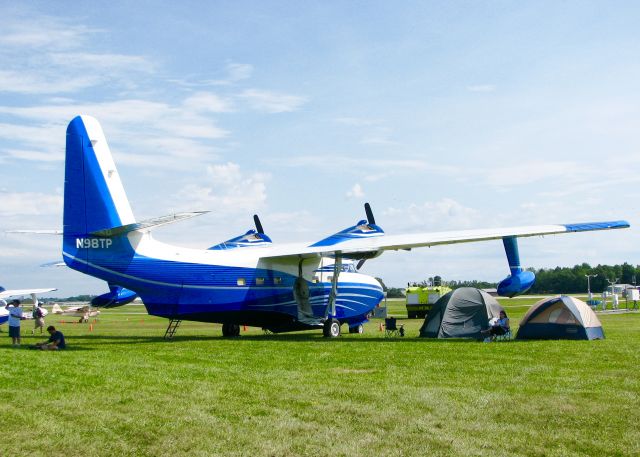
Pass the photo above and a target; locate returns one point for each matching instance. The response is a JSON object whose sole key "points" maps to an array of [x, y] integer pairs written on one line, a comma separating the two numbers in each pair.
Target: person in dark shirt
{"points": [[55, 341]]}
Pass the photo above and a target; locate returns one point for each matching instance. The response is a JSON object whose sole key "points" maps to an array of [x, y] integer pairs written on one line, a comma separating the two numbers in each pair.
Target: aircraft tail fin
{"points": [[94, 198]]}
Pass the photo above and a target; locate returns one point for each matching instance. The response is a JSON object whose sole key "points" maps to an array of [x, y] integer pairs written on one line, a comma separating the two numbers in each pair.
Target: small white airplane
{"points": [[4, 294], [247, 280], [84, 311]]}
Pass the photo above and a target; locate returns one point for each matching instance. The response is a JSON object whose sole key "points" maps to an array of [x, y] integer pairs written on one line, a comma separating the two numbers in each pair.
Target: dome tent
{"points": [[560, 318], [462, 313]]}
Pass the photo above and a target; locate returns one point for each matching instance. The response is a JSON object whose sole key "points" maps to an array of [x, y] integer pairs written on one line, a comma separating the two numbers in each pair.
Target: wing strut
{"points": [[330, 312]]}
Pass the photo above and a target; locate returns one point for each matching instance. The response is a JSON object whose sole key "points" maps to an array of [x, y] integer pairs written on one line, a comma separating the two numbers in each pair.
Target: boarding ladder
{"points": [[171, 329]]}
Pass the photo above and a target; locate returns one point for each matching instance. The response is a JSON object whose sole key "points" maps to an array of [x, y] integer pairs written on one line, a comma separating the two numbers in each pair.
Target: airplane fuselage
{"points": [[228, 286]]}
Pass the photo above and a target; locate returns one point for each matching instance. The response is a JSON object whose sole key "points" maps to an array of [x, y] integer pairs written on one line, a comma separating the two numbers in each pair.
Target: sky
{"points": [[442, 115]]}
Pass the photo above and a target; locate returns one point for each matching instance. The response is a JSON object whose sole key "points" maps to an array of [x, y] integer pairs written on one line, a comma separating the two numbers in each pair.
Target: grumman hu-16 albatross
{"points": [[247, 280]]}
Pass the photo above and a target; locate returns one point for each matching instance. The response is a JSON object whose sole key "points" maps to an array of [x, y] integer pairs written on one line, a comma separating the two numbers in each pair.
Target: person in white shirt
{"points": [[15, 316]]}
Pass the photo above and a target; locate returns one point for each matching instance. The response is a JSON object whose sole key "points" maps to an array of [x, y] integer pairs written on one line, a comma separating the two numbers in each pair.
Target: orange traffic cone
{"points": [[380, 328], [244, 328], [91, 327]]}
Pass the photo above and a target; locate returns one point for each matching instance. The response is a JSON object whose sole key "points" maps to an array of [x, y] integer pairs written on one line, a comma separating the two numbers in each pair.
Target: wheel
{"points": [[411, 315], [229, 330], [331, 328], [357, 329]]}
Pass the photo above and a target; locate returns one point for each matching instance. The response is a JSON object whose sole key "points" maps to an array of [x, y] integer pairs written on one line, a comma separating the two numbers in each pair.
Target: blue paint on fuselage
{"points": [[211, 292]]}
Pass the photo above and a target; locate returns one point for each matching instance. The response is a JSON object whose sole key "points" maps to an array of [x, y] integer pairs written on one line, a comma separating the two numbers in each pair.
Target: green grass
{"points": [[121, 390]]}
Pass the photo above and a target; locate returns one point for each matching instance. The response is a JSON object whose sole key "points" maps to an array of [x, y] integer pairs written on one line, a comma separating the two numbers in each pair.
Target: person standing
{"points": [[15, 316], [38, 317]]}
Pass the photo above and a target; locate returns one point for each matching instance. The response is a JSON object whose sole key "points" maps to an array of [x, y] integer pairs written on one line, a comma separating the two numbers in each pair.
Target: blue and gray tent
{"points": [[560, 318]]}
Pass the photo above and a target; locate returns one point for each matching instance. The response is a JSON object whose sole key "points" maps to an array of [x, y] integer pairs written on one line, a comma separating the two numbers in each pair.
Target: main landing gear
{"points": [[331, 328], [357, 329], [230, 330]]}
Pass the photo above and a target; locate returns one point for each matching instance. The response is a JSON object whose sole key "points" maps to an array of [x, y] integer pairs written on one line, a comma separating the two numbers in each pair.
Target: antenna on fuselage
{"points": [[256, 220]]}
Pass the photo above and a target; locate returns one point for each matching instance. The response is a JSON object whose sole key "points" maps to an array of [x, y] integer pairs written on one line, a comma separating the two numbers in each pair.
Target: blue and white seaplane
{"points": [[247, 280]]}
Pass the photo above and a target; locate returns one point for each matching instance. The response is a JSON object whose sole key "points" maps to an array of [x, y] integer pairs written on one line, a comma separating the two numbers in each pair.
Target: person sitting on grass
{"points": [[55, 341], [498, 327]]}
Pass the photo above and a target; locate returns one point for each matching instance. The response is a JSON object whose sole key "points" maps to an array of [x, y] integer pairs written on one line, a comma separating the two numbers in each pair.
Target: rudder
{"points": [[94, 198]]}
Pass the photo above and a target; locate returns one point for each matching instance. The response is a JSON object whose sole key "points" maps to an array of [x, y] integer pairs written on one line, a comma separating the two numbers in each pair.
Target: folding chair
{"points": [[504, 337], [391, 328]]}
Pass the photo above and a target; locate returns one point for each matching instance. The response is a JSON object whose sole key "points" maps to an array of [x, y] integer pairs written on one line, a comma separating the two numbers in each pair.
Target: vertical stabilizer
{"points": [[94, 198]]}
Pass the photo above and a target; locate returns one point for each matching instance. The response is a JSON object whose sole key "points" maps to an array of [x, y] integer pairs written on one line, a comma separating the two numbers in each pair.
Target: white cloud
{"points": [[139, 127], [38, 156], [207, 102], [239, 71], [481, 88], [29, 204], [44, 81], [102, 62], [38, 32], [43, 54], [228, 190], [444, 214], [356, 191], [357, 122], [272, 102]]}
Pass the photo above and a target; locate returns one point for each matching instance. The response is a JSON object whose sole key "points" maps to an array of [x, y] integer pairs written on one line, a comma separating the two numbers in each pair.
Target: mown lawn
{"points": [[121, 390]]}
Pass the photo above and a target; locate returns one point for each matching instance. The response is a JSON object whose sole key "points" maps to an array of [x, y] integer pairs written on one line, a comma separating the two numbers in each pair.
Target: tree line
{"points": [[558, 280]]}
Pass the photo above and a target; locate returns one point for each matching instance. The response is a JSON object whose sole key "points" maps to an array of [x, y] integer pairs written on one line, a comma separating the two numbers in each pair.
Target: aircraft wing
{"points": [[369, 247], [21, 292]]}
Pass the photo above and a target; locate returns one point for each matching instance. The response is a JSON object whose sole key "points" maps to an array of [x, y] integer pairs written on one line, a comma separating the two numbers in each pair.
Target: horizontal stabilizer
{"points": [[55, 263], [147, 224], [36, 232]]}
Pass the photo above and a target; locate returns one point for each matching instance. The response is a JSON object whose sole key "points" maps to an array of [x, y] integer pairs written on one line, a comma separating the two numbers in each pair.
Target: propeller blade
{"points": [[360, 263], [367, 209], [256, 220]]}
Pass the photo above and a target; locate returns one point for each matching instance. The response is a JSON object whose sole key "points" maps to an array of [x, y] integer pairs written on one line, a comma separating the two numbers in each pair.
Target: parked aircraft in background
{"points": [[84, 311], [5, 294], [247, 280]]}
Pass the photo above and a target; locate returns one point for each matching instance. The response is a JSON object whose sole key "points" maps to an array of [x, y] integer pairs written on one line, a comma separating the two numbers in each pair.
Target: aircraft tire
{"points": [[331, 328], [230, 330], [357, 329]]}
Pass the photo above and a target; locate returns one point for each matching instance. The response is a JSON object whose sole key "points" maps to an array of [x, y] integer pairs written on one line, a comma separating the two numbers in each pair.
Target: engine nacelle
{"points": [[516, 284], [117, 296]]}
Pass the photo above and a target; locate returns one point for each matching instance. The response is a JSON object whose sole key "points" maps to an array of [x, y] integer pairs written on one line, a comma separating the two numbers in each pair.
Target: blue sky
{"points": [[443, 115]]}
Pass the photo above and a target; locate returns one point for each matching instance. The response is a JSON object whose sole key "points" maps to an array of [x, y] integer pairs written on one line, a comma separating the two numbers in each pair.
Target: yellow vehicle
{"points": [[420, 299]]}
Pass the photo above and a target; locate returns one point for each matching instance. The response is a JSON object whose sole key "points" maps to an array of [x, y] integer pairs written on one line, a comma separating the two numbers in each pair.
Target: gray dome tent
{"points": [[462, 313], [560, 318]]}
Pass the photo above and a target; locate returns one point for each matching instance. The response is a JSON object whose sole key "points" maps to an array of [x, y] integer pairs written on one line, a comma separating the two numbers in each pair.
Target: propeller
{"points": [[256, 220], [371, 220], [367, 209]]}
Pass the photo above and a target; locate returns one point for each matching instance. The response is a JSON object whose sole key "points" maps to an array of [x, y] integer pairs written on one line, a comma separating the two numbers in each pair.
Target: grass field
{"points": [[121, 390]]}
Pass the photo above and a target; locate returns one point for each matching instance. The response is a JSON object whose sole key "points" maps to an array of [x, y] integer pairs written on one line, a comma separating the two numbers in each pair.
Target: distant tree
{"points": [[395, 292]]}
